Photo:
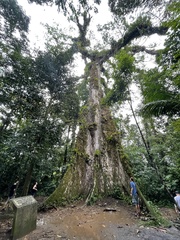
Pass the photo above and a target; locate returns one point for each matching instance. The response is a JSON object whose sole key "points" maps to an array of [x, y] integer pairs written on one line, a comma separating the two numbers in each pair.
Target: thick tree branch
{"points": [[82, 42], [83, 27], [137, 49], [141, 30]]}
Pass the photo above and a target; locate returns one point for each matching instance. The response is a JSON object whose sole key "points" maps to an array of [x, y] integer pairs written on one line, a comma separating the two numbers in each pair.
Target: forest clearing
{"points": [[90, 107], [105, 220]]}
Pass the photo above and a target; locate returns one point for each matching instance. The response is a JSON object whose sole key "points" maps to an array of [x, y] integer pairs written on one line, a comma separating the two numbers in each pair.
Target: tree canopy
{"points": [[44, 103], [165, 78]]}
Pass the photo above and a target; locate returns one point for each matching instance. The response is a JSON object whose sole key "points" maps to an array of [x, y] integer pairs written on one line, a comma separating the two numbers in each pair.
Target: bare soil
{"points": [[106, 220]]}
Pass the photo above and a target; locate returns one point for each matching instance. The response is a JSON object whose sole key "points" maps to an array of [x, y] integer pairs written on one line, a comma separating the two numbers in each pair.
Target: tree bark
{"points": [[99, 165], [28, 179]]}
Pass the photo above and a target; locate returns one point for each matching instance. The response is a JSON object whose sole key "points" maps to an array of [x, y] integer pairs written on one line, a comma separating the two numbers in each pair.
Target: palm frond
{"points": [[161, 107]]}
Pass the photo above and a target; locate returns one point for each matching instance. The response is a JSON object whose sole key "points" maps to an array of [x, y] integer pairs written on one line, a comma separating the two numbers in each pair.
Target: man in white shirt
{"points": [[177, 200]]}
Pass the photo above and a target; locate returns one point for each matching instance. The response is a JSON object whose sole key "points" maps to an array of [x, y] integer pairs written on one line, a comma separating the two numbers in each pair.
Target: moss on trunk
{"points": [[99, 164]]}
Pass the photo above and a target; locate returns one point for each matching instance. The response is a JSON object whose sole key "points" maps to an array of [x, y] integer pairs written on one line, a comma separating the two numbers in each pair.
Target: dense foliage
{"points": [[152, 142], [39, 104]]}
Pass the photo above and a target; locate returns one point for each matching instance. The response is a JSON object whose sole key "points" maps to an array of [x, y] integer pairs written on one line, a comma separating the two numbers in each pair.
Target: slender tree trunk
{"points": [[32, 164], [149, 155], [66, 147], [28, 179]]}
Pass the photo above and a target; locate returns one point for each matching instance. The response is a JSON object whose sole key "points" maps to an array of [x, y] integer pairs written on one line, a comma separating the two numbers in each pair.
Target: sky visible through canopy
{"points": [[40, 15], [49, 14]]}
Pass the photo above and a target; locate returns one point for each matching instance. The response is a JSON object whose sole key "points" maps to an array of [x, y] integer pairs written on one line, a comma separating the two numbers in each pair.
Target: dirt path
{"points": [[107, 220]]}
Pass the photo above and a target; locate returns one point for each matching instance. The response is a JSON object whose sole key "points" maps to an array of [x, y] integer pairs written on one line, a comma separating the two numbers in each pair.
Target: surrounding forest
{"points": [[72, 134]]}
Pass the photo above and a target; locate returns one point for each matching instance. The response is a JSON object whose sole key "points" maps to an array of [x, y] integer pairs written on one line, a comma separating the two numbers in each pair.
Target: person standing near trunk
{"points": [[177, 201], [12, 192], [134, 195], [34, 189]]}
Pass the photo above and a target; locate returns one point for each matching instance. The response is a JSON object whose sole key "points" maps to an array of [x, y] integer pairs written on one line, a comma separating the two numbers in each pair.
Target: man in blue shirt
{"points": [[135, 198]]}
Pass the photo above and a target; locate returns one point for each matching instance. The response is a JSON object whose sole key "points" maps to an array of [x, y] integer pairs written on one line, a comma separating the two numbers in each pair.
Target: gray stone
{"points": [[25, 215]]}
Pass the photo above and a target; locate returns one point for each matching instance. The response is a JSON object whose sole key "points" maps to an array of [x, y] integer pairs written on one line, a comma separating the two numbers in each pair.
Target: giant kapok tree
{"points": [[98, 165]]}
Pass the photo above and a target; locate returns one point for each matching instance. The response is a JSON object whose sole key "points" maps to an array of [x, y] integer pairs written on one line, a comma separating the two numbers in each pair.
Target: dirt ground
{"points": [[107, 220]]}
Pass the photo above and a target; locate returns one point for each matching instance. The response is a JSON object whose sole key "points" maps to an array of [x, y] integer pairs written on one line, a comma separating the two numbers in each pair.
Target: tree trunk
{"points": [[28, 179], [99, 164]]}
